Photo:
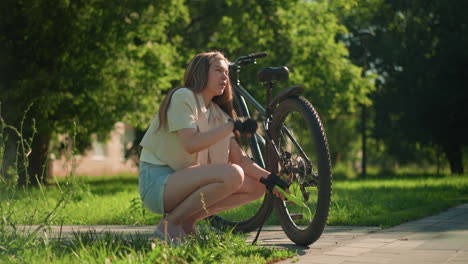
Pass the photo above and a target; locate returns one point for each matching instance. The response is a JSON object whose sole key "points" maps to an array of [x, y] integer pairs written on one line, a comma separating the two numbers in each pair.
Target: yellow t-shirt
{"points": [[163, 147]]}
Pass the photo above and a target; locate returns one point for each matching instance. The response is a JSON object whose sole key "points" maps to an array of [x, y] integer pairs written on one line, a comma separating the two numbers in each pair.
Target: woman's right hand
{"points": [[194, 141], [247, 127]]}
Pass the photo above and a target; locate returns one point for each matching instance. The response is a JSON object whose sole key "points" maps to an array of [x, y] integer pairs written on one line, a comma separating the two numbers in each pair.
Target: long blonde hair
{"points": [[195, 79]]}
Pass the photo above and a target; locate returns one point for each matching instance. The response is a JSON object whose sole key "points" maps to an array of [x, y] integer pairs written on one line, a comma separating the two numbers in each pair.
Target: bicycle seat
{"points": [[273, 74]]}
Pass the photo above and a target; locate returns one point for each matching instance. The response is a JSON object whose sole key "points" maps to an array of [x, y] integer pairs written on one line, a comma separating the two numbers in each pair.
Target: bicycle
{"points": [[293, 144]]}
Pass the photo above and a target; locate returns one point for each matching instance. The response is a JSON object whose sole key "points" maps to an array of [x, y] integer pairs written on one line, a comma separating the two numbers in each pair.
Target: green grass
{"points": [[111, 200], [377, 202], [385, 201], [92, 247], [388, 202], [114, 200]]}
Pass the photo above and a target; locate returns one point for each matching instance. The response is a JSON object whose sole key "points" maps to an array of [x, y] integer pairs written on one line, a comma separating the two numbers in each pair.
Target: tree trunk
{"points": [[37, 171], [454, 153]]}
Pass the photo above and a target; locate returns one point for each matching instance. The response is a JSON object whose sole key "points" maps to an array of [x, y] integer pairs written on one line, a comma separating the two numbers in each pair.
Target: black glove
{"points": [[249, 126], [273, 180]]}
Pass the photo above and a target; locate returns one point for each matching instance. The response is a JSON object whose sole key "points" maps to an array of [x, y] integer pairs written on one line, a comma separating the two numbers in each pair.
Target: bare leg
{"points": [[189, 228], [250, 190], [195, 189], [176, 233]]}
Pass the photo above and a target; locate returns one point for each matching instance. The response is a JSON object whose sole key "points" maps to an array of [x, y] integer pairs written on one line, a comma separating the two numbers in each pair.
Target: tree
{"points": [[91, 63], [299, 34], [420, 50], [97, 62]]}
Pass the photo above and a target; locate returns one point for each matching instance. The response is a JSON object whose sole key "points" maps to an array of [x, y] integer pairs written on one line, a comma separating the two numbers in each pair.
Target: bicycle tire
{"points": [[302, 231], [264, 211]]}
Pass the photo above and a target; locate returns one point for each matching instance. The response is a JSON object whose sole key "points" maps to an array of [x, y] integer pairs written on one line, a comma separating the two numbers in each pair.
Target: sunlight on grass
{"points": [[96, 247], [115, 200], [387, 202], [392, 201]]}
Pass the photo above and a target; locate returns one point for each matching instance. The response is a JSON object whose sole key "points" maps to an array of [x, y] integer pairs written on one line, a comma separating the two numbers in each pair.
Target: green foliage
{"points": [[343, 138], [98, 62], [89, 63], [320, 62], [93, 62], [420, 52], [299, 34]]}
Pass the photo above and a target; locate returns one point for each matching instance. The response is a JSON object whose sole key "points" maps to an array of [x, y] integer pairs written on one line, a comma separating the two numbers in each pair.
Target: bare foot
{"points": [[174, 232], [190, 229]]}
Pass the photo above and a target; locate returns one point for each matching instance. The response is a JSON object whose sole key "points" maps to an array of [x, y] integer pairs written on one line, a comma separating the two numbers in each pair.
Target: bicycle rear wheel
{"points": [[300, 138]]}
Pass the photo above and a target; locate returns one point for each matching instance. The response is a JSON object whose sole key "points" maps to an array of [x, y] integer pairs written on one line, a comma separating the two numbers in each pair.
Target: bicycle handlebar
{"points": [[250, 57]]}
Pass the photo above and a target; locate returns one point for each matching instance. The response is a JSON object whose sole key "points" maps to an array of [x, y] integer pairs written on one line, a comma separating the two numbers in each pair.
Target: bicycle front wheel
{"points": [[251, 216], [301, 142]]}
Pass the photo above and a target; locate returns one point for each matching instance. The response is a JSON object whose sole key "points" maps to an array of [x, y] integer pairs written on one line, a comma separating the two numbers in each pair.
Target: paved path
{"points": [[441, 238]]}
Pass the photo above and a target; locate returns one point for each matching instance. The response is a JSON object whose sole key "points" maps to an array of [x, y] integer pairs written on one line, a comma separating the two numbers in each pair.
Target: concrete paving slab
{"points": [[370, 259], [424, 256], [437, 239], [374, 239], [459, 258], [347, 251], [403, 244], [366, 244], [323, 260]]}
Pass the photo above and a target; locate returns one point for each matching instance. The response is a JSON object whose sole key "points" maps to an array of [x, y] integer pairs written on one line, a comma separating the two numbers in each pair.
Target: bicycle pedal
{"points": [[296, 216]]}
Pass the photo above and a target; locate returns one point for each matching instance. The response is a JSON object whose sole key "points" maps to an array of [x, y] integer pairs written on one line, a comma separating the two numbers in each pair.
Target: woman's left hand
{"points": [[279, 194], [272, 181]]}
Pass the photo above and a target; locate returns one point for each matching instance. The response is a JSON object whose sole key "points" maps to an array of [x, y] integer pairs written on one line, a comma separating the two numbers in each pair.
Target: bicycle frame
{"points": [[278, 144], [241, 95]]}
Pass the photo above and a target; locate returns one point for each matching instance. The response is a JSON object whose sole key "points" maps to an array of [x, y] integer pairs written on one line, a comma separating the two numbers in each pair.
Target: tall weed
{"points": [[16, 200]]}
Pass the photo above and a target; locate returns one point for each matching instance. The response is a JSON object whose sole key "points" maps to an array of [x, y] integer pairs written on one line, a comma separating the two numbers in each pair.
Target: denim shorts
{"points": [[152, 182]]}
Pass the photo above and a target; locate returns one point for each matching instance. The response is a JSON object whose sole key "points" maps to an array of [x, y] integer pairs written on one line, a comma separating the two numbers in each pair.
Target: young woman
{"points": [[191, 164]]}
